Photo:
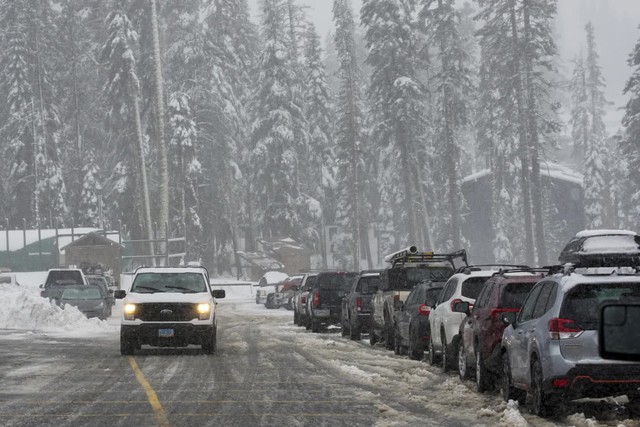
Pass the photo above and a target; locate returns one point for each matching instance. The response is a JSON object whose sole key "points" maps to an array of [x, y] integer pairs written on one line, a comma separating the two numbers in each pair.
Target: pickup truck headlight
{"points": [[130, 311], [203, 311]]}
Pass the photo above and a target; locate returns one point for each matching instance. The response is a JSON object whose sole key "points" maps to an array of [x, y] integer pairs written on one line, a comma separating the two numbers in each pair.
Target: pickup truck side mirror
{"points": [[218, 293], [119, 294]]}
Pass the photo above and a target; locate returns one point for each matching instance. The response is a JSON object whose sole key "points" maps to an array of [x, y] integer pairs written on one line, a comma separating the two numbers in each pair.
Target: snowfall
{"points": [[25, 314]]}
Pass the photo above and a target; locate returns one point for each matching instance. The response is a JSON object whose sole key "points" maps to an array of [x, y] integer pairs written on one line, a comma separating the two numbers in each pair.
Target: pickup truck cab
{"points": [[169, 307], [324, 303]]}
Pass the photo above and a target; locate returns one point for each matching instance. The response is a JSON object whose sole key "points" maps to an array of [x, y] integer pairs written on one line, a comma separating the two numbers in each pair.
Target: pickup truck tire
{"points": [[127, 345], [354, 333], [307, 323], [296, 318], [315, 326], [343, 330], [373, 339], [209, 343]]}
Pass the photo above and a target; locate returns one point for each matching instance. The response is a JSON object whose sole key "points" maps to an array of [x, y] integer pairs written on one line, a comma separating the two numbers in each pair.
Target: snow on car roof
{"points": [[616, 244], [592, 233], [170, 270]]}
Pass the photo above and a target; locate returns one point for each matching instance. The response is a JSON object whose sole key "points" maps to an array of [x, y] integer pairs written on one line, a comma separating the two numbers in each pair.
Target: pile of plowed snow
{"points": [[23, 309]]}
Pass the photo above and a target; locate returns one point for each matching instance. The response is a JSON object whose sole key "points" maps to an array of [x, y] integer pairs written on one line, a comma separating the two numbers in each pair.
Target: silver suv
{"points": [[550, 349]]}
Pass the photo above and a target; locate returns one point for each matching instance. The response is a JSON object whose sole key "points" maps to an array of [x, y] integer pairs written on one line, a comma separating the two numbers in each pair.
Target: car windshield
{"points": [[86, 293], [583, 303], [168, 282], [472, 286], [432, 295], [369, 285]]}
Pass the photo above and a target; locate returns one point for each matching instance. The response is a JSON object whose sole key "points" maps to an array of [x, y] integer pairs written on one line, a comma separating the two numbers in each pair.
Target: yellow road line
{"points": [[151, 394]]}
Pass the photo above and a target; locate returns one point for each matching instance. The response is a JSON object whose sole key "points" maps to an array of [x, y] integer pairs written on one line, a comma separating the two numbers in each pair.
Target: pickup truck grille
{"points": [[166, 312]]}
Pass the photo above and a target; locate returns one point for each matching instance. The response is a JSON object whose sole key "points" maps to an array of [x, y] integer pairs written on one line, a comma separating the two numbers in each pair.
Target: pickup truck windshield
{"points": [[146, 283], [340, 282]]}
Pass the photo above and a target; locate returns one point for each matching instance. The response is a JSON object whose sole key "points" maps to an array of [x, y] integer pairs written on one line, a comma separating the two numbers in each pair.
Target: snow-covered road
{"points": [[266, 372]]}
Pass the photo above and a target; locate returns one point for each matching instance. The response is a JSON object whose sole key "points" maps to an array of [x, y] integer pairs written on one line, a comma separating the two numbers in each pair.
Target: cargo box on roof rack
{"points": [[602, 248]]}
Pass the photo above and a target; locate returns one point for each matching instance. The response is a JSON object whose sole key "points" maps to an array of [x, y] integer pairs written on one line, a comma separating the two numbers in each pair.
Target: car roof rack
{"points": [[405, 257], [542, 270], [481, 267]]}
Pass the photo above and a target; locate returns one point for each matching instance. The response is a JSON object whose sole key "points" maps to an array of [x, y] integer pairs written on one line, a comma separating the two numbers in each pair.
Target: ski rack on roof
{"points": [[406, 257], [480, 267]]}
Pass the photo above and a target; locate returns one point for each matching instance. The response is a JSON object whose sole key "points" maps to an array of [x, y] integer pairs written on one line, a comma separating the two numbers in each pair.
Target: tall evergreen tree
{"points": [[350, 142], [396, 95]]}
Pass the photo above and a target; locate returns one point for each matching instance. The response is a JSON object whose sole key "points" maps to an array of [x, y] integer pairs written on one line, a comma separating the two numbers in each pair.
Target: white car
{"points": [[267, 285], [445, 323], [169, 307]]}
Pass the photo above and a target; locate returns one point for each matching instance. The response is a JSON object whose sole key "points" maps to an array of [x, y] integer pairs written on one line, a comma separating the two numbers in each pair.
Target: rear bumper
{"points": [[183, 334], [599, 380]]}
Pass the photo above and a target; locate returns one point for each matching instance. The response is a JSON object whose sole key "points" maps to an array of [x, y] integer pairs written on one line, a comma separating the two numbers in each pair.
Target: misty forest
{"points": [[201, 118]]}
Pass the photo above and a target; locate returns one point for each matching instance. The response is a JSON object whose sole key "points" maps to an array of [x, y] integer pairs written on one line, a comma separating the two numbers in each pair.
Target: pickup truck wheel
{"points": [[343, 329], [373, 339], [307, 323], [209, 343], [127, 345], [354, 333], [296, 319], [315, 326], [388, 335]]}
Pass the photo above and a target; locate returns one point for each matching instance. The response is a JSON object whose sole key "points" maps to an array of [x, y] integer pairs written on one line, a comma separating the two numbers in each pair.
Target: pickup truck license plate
{"points": [[165, 333], [322, 313]]}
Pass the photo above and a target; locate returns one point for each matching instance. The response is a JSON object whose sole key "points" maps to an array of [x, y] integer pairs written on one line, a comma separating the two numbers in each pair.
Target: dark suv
{"points": [[356, 307], [324, 302], [481, 331]]}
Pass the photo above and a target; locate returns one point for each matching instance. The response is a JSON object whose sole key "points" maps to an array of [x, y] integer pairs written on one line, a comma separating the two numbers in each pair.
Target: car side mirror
{"points": [[218, 293], [41, 286], [462, 307], [398, 305], [119, 294], [509, 318], [619, 322]]}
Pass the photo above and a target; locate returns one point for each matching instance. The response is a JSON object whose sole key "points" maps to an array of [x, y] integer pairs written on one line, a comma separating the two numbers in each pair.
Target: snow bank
{"points": [[23, 309], [512, 417]]}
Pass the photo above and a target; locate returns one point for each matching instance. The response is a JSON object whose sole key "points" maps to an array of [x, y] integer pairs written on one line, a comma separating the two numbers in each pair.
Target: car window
{"points": [[449, 290], [472, 286], [413, 296], [168, 282], [431, 295], [482, 299], [583, 303], [514, 294], [527, 308], [541, 304], [336, 281], [368, 285]]}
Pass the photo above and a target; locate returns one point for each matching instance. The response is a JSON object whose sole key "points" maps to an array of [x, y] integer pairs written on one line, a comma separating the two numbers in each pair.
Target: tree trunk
{"points": [[523, 143], [163, 217], [141, 171], [536, 181]]}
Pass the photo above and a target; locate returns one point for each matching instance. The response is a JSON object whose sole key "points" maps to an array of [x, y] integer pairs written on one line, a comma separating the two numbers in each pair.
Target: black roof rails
{"points": [[478, 267], [404, 257], [543, 270]]}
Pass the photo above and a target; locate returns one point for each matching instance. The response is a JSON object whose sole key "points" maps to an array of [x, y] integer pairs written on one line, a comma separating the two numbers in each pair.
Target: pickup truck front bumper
{"points": [[167, 334]]}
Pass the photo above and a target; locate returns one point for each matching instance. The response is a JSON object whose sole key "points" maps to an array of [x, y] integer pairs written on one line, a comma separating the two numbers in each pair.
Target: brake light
{"points": [[423, 310], [455, 301], [316, 299], [358, 304], [560, 383], [496, 312], [560, 329]]}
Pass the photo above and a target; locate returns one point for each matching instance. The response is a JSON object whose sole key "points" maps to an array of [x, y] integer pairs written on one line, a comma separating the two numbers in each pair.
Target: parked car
{"points": [[550, 349], [267, 285], [58, 279], [90, 300], [324, 304], [8, 279], [102, 283], [595, 248], [300, 316], [284, 292], [356, 306], [169, 307], [408, 268], [481, 331], [412, 320], [445, 323]]}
